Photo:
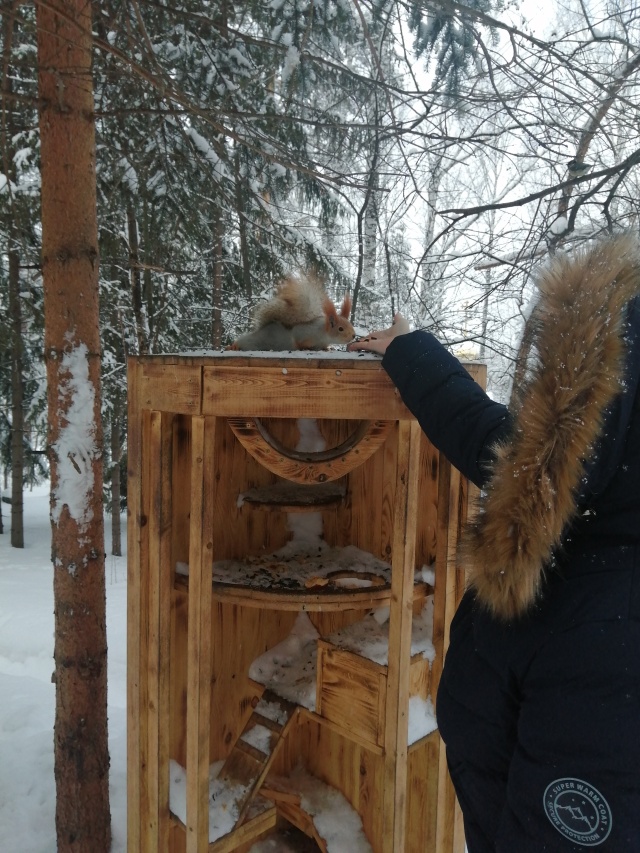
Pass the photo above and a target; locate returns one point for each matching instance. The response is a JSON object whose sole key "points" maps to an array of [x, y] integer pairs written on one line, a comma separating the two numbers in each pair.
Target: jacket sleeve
{"points": [[452, 409]]}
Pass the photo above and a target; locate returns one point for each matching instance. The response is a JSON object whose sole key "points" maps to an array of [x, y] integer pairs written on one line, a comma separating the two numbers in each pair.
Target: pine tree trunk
{"points": [[217, 275], [367, 224], [116, 457], [72, 351], [245, 261], [136, 281], [15, 312], [17, 395]]}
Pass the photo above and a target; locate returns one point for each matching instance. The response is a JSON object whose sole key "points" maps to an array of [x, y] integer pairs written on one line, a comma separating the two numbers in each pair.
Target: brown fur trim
{"points": [[531, 495]]}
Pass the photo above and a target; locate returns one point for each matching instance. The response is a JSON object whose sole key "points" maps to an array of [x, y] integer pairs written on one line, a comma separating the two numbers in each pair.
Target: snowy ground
{"points": [[27, 789]]}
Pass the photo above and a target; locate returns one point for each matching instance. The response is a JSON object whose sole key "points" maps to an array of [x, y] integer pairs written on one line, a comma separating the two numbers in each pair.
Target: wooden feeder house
{"points": [[292, 576]]}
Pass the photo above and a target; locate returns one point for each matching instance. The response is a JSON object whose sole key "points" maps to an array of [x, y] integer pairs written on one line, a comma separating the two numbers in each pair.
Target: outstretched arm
{"points": [[452, 409]]}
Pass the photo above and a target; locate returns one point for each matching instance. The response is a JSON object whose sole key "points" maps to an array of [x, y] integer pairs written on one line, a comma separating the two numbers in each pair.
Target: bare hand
{"points": [[380, 340]]}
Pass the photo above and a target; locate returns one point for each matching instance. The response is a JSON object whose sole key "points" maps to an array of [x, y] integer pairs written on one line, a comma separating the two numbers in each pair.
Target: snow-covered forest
{"points": [[422, 156], [416, 152]]}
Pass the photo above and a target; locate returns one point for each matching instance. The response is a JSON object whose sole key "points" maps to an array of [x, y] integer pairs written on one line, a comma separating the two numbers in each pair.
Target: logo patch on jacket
{"points": [[578, 811]]}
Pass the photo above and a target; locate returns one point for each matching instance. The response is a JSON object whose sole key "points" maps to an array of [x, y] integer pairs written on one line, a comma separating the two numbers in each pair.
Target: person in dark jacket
{"points": [[539, 700]]}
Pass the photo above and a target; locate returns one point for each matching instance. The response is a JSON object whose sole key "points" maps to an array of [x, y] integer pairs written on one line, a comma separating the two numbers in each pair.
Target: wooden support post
{"points": [[400, 620], [135, 667], [450, 577], [199, 633], [159, 616]]}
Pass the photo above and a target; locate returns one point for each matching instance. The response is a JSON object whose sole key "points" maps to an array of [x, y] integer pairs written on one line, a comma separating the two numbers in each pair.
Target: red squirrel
{"points": [[300, 316]]}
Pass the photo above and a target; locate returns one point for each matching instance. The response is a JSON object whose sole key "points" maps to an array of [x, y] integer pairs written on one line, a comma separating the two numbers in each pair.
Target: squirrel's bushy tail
{"points": [[297, 300]]}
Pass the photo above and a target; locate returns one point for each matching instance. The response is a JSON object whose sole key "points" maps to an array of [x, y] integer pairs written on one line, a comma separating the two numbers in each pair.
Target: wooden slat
{"points": [[179, 657], [422, 795], [160, 588], [145, 589], [239, 530], [199, 650], [387, 483], [445, 814], [180, 524], [154, 452], [310, 393], [135, 611], [459, 842], [320, 360], [181, 487], [349, 693], [419, 677], [448, 836], [175, 388], [250, 830], [353, 737], [400, 621]]}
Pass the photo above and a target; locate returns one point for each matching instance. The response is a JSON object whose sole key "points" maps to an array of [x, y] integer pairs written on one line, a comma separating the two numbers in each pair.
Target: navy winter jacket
{"points": [[540, 712]]}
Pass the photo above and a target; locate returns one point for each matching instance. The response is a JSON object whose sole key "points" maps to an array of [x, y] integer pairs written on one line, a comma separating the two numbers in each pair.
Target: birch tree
{"points": [[72, 352]]}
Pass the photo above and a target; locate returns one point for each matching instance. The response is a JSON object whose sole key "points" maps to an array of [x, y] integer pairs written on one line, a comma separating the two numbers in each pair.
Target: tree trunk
{"points": [[72, 352], [150, 307], [17, 396], [245, 261], [142, 330], [367, 222], [15, 304], [116, 456], [370, 236], [217, 274]]}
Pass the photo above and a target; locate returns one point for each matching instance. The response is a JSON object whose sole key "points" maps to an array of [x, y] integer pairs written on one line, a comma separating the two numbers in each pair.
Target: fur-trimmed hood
{"points": [[579, 350]]}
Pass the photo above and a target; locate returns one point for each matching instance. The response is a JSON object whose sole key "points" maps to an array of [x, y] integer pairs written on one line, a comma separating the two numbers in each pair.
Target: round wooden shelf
{"points": [[317, 579], [324, 599]]}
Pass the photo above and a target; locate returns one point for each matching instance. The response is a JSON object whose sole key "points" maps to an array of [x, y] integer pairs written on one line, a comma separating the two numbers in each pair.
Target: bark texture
{"points": [[17, 397], [72, 349]]}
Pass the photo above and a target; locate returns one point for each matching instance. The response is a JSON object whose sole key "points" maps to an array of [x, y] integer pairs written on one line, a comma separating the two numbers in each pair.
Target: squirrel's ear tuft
{"points": [[330, 313], [346, 307]]}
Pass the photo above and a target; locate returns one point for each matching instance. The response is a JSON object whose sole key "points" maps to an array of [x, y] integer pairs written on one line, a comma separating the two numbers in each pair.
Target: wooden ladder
{"points": [[247, 765]]}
